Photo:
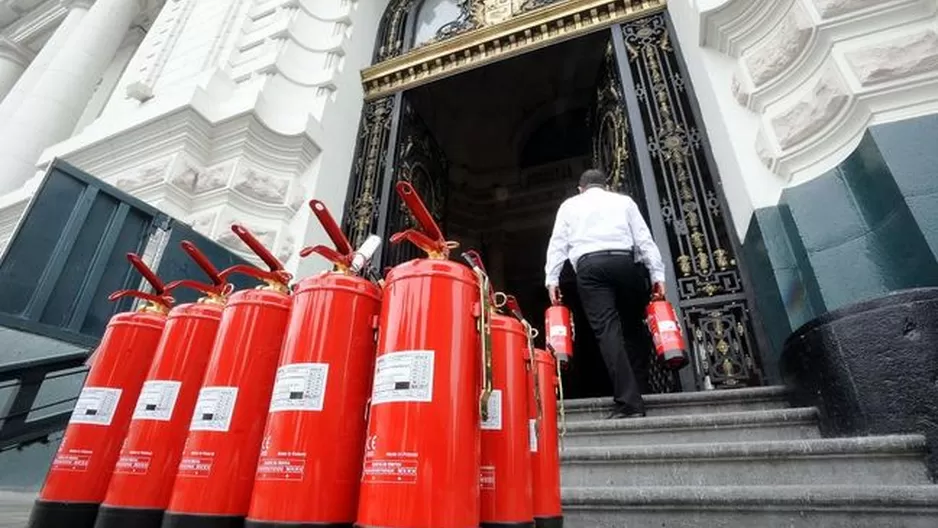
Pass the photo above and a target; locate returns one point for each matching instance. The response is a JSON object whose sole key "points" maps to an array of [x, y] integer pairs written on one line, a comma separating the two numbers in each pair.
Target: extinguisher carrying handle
{"points": [[485, 331], [333, 256], [342, 244], [203, 262], [158, 301], [211, 290], [262, 252], [475, 260], [158, 286], [277, 277], [429, 237]]}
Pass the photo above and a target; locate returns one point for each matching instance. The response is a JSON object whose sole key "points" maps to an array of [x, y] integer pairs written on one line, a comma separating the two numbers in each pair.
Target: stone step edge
{"points": [[751, 497], [764, 418], [752, 394], [870, 446]]}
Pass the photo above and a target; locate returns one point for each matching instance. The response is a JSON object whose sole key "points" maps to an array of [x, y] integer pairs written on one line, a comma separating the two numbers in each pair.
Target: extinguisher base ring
{"points": [[116, 517], [195, 520], [54, 514], [548, 522], [276, 524], [507, 524]]}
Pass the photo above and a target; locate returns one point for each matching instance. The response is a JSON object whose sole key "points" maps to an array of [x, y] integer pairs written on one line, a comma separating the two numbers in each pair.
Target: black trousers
{"points": [[614, 291]]}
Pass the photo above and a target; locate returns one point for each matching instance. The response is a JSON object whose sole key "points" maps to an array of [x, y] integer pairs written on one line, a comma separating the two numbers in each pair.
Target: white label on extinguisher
{"points": [[300, 387], [157, 400], [405, 376], [494, 423], [96, 406], [558, 331], [214, 409], [532, 435], [667, 326]]}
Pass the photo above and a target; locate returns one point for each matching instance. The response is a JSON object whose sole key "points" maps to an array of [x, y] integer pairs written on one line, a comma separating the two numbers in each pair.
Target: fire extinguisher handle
{"points": [[421, 214], [207, 289], [262, 252], [327, 253], [162, 300], [514, 307], [203, 262], [342, 245], [158, 287]]}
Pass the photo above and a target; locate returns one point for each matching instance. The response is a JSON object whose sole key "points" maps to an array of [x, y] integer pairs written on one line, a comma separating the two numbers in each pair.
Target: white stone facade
{"points": [[219, 111]]}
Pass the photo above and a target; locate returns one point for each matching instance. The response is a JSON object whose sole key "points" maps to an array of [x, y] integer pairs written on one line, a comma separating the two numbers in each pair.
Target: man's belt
{"points": [[606, 253]]}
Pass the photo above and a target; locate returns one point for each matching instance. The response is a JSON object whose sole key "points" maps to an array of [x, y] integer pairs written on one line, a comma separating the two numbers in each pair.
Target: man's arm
{"points": [[641, 237], [557, 249]]}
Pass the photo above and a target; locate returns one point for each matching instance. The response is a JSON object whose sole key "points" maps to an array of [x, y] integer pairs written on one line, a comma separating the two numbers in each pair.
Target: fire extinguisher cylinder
{"points": [[310, 463], [558, 323], [666, 334], [546, 459], [216, 470], [506, 487], [81, 470], [140, 488], [422, 450]]}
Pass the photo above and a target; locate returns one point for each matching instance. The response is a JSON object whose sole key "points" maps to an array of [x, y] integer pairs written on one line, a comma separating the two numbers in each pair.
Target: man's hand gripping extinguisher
{"points": [[426, 388], [216, 471], [310, 463], [78, 478], [143, 478]]}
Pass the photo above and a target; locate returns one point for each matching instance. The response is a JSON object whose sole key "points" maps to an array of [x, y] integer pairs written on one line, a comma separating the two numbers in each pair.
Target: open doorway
{"points": [[497, 150]]}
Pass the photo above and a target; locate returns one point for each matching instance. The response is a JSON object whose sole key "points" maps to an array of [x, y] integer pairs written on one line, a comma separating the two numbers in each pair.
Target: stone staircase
{"points": [[739, 458]]}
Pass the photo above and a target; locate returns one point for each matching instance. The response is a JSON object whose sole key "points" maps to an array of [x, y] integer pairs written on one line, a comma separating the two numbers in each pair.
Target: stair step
{"points": [[882, 460], [15, 507], [682, 403], [756, 506], [780, 424]]}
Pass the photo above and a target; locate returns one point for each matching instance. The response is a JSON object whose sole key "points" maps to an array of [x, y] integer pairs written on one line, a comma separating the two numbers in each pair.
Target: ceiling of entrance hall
{"points": [[483, 117], [11, 10]]}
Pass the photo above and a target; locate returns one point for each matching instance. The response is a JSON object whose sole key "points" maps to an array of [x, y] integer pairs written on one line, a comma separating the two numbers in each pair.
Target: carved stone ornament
{"points": [[816, 110], [195, 181], [204, 223], [832, 8], [287, 248], [783, 46], [261, 186], [899, 58], [142, 178]]}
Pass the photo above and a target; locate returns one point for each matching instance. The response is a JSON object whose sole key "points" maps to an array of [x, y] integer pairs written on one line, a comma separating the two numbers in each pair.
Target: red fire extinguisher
{"points": [[421, 462], [216, 472], [559, 326], [666, 334], [143, 477], [546, 458], [311, 461], [507, 493], [78, 479]]}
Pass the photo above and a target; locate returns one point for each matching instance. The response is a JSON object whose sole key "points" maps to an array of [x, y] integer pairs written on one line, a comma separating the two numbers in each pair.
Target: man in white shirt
{"points": [[606, 239]]}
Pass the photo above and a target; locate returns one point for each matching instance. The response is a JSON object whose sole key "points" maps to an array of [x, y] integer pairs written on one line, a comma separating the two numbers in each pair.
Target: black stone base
{"points": [[548, 522], [871, 368], [113, 517], [48, 514], [183, 520], [508, 525], [270, 524]]}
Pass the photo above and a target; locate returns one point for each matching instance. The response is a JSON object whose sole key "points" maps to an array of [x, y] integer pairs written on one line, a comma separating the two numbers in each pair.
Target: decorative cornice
{"points": [[520, 34]]}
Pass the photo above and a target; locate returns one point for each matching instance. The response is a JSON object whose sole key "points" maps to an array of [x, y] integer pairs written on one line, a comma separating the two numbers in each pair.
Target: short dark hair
{"points": [[593, 178]]}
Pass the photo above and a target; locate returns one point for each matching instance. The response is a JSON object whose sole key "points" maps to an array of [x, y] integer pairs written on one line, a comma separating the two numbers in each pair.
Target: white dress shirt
{"points": [[600, 220]]}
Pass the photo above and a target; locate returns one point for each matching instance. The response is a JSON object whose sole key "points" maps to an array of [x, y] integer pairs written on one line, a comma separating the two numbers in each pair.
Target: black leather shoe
{"points": [[619, 414]]}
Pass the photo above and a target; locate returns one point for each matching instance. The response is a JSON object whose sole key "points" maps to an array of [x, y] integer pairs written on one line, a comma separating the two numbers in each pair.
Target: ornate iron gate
{"points": [[691, 212]]}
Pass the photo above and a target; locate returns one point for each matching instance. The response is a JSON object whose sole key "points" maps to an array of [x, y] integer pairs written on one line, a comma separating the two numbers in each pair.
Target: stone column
{"points": [[77, 9], [49, 111], [13, 61]]}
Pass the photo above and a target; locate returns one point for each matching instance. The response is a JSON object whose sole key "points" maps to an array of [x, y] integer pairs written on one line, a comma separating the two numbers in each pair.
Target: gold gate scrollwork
{"points": [[710, 286]]}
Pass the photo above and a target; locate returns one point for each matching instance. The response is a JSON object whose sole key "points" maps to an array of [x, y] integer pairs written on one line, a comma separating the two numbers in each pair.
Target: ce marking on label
{"points": [[372, 443]]}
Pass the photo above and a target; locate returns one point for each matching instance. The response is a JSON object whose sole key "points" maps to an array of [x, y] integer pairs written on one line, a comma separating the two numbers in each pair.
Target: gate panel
{"points": [[711, 292]]}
